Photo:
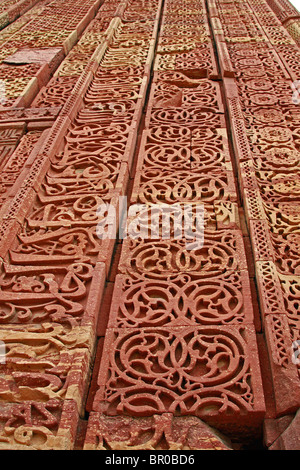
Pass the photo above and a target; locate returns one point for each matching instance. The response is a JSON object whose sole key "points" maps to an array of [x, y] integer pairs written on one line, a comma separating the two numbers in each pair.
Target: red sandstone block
{"points": [[112, 114], [227, 68], [167, 186], [248, 177], [279, 300], [273, 428], [30, 117], [64, 379], [38, 294], [239, 133], [278, 34], [83, 236], [43, 76], [36, 174], [88, 211], [282, 433], [165, 155], [268, 93], [290, 285], [39, 125], [269, 289], [93, 380], [169, 370], [267, 382], [81, 26], [18, 206], [198, 63], [112, 179], [72, 106], [179, 220], [105, 308], [289, 56], [286, 252], [56, 93], [15, 187], [37, 148], [212, 154], [16, 168], [182, 301], [174, 89], [70, 42], [166, 133], [9, 228], [80, 88], [227, 216], [56, 135], [69, 243], [12, 128], [98, 93], [182, 126], [115, 150], [218, 31], [28, 94], [283, 218], [283, 353], [277, 160], [13, 12], [207, 154], [261, 240], [157, 259], [158, 432], [34, 425], [48, 59], [280, 189], [94, 301], [108, 228], [253, 205], [179, 116]]}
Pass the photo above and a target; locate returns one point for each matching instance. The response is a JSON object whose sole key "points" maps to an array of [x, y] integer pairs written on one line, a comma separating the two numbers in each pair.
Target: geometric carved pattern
{"points": [[163, 378], [181, 300], [176, 311]]}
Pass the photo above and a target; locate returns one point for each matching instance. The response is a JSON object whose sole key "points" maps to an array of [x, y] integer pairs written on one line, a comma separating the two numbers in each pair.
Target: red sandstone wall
{"points": [[140, 343]]}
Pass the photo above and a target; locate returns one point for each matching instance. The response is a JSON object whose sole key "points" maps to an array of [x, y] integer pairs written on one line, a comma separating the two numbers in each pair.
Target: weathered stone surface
{"points": [[160, 432]]}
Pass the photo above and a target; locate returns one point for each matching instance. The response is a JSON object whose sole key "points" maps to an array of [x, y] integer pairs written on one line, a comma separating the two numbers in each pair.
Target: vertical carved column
{"points": [[262, 58], [180, 346]]}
